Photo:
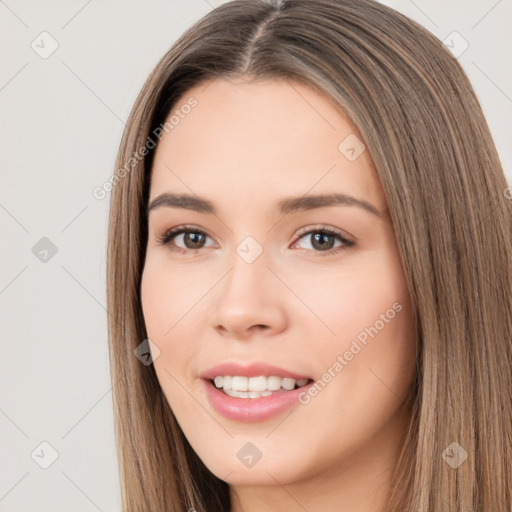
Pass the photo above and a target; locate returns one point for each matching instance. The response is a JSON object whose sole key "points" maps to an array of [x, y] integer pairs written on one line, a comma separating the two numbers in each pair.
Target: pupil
{"points": [[195, 239], [319, 239]]}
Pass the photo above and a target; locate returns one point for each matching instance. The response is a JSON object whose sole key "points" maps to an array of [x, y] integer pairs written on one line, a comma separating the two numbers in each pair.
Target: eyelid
{"points": [[329, 229]]}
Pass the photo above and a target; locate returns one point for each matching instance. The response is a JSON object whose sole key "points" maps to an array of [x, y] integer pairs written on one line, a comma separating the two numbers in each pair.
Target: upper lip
{"points": [[251, 370]]}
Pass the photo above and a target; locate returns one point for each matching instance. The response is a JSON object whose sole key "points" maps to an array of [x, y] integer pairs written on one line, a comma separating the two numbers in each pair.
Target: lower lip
{"points": [[251, 409]]}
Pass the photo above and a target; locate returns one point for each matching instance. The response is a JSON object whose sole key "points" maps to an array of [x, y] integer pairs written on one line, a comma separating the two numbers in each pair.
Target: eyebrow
{"points": [[284, 206]]}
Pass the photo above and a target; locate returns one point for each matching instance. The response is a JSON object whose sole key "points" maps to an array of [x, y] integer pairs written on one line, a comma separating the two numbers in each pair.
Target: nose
{"points": [[249, 301]]}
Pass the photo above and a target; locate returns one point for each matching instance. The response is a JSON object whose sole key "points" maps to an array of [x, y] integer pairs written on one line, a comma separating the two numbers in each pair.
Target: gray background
{"points": [[61, 121]]}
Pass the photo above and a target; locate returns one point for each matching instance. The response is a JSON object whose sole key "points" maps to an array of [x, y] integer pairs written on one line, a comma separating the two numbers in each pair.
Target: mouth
{"points": [[239, 386], [253, 392], [243, 404]]}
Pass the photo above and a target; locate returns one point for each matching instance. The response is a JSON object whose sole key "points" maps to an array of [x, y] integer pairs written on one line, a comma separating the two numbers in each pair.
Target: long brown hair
{"points": [[424, 128]]}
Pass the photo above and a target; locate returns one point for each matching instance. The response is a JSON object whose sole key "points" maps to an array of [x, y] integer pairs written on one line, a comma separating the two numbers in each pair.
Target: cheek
{"points": [[371, 349], [172, 302], [352, 299], [168, 295], [153, 300], [163, 305], [164, 309]]}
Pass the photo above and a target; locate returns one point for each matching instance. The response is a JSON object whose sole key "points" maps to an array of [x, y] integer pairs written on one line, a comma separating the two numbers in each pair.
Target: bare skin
{"points": [[244, 147]]}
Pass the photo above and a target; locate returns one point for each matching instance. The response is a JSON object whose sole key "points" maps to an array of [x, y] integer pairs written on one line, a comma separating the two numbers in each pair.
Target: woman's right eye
{"points": [[192, 237]]}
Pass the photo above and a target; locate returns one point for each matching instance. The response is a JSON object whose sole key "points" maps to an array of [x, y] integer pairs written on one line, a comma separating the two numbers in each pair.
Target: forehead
{"points": [[258, 142]]}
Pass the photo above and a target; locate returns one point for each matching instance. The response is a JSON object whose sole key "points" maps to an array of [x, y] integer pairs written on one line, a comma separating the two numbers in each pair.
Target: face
{"points": [[281, 292]]}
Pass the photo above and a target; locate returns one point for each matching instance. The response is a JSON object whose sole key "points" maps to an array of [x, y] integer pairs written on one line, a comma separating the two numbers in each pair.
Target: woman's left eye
{"points": [[321, 238], [324, 238]]}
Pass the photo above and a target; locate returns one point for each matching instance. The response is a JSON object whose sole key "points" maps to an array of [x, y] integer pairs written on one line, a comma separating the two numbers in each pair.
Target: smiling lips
{"points": [[269, 389]]}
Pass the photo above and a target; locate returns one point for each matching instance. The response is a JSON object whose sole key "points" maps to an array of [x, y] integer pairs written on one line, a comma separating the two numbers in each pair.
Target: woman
{"points": [[367, 370]]}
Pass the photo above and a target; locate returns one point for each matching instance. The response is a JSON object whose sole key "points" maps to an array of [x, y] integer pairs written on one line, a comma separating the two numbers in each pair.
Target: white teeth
{"points": [[247, 394], [240, 383], [257, 383], [274, 383], [257, 386], [288, 384]]}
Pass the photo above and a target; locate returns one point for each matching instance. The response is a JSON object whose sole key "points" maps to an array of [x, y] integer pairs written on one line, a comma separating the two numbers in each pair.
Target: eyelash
{"points": [[174, 232]]}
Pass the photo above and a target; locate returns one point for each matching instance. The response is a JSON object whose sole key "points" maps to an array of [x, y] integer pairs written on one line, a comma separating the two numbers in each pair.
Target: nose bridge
{"points": [[247, 296], [250, 250], [249, 267]]}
